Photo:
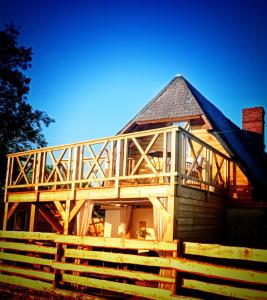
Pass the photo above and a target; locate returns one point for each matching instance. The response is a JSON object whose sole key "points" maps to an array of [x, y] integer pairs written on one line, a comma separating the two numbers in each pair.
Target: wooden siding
{"points": [[199, 216]]}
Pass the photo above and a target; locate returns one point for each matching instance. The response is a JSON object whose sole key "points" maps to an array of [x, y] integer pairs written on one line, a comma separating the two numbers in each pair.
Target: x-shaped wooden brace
{"points": [[218, 166], [23, 170], [56, 163], [157, 203], [144, 154], [195, 162], [95, 160]]}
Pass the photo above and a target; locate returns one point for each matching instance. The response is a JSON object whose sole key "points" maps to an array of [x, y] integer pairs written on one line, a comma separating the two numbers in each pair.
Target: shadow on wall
{"points": [[247, 227]]}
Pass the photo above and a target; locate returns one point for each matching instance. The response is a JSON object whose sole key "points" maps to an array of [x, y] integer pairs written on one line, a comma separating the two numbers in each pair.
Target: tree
{"points": [[20, 124]]}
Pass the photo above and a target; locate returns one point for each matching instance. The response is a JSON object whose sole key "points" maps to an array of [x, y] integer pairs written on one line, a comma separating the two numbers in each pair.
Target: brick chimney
{"points": [[253, 123]]}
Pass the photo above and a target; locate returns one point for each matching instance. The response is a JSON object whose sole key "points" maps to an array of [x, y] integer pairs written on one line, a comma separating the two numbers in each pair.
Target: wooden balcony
{"points": [[136, 165]]}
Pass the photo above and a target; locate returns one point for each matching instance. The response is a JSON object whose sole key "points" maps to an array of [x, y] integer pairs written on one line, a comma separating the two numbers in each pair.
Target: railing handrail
{"points": [[121, 137], [98, 140], [192, 136]]}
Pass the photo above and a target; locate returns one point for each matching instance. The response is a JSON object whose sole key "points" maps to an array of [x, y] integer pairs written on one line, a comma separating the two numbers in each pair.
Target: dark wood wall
{"points": [[200, 216]]}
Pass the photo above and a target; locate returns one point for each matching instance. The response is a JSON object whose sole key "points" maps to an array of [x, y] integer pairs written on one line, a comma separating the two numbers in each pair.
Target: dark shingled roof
{"points": [[180, 99]]}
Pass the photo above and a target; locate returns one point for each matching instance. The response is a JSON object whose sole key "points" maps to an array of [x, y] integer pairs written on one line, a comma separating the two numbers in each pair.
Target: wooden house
{"points": [[173, 172]]}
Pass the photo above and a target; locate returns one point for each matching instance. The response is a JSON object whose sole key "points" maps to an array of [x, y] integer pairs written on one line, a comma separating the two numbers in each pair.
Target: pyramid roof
{"points": [[180, 100]]}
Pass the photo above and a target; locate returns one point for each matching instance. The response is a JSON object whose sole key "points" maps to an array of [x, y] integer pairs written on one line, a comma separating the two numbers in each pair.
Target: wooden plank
{"points": [[5, 216], [218, 271], [25, 282], [26, 259], [76, 208], [27, 247], [225, 290], [194, 202], [27, 272], [24, 235], [32, 217], [61, 210], [112, 272], [116, 243], [118, 258], [219, 251], [130, 289]]}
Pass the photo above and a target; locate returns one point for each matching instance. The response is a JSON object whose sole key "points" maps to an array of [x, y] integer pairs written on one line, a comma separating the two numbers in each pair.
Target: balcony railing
{"points": [[158, 156]]}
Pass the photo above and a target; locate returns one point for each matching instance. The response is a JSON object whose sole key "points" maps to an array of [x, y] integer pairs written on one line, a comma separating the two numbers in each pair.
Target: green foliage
{"points": [[20, 124]]}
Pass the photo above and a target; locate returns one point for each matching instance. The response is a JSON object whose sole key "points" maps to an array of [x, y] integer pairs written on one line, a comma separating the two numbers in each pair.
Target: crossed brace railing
{"points": [[151, 156]]}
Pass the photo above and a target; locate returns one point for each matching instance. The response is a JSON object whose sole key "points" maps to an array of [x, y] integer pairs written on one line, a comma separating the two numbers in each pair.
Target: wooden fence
{"points": [[67, 265]]}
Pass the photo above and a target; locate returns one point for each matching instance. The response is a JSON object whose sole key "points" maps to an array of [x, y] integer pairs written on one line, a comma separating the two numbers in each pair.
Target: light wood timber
{"points": [[8, 176], [116, 243], [26, 259], [67, 215], [28, 283], [32, 217], [27, 272], [24, 235], [60, 210], [225, 290], [5, 216], [27, 247], [12, 209], [218, 251], [184, 265], [138, 275], [157, 203], [139, 291], [76, 208]]}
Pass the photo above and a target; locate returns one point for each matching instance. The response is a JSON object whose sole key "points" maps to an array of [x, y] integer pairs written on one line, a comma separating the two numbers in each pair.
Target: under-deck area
{"points": [[147, 169]]}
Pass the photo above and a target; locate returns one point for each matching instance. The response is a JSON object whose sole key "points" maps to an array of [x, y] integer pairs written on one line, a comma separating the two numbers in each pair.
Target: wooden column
{"points": [[117, 166], [32, 217], [172, 197], [5, 216]]}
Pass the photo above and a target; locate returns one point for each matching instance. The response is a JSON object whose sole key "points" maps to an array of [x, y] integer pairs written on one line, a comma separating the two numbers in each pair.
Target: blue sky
{"points": [[97, 63]]}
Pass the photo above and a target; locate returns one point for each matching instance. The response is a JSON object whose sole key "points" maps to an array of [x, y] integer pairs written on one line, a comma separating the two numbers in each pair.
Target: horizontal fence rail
{"points": [[111, 266], [147, 157]]}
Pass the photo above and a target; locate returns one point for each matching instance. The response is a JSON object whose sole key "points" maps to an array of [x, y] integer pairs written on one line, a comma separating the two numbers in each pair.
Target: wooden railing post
{"points": [[117, 166]]}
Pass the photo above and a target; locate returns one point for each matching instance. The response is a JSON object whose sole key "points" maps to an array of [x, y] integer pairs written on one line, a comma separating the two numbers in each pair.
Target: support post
{"points": [[5, 216], [117, 166], [32, 217]]}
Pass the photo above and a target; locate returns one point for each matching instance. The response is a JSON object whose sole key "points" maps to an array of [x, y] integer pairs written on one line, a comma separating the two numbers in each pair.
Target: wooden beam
{"points": [[12, 209], [27, 247], [219, 251], [5, 216], [32, 217], [157, 203], [60, 210], [225, 290], [27, 272], [26, 259], [76, 208], [116, 243], [219, 271], [25, 235], [67, 215], [28, 283], [104, 271]]}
